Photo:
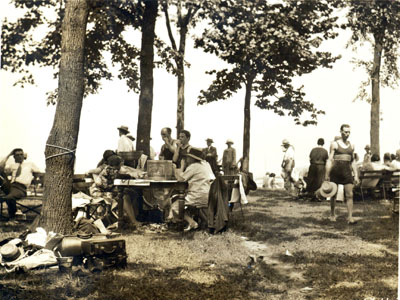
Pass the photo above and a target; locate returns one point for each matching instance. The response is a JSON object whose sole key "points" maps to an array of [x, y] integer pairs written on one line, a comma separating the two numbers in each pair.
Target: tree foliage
{"points": [[268, 45], [371, 22], [108, 20]]}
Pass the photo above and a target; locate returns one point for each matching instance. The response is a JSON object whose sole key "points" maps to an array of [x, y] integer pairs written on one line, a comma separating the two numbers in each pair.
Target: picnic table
{"points": [[148, 184]]}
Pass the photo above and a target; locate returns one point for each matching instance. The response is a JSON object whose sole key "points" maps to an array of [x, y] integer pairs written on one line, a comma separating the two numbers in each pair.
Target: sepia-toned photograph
{"points": [[199, 149]]}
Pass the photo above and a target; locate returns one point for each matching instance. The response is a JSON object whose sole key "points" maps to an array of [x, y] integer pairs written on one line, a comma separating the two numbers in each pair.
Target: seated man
{"points": [[199, 175], [374, 165], [22, 174]]}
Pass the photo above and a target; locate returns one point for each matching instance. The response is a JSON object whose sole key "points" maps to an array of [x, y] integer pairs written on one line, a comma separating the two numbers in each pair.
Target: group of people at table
{"points": [[195, 166], [328, 172]]}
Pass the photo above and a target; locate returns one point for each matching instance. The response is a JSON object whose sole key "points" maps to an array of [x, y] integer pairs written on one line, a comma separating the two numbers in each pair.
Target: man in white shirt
{"points": [[198, 175], [22, 173], [288, 165], [124, 143]]}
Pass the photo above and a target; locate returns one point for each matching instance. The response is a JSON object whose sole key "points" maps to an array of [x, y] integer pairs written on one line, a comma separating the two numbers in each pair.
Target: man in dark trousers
{"points": [[210, 154], [21, 173]]}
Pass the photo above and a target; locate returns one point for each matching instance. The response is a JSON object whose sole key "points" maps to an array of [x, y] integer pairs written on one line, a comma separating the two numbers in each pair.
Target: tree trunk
{"points": [[57, 209], [146, 76], [180, 113], [375, 103], [246, 129]]}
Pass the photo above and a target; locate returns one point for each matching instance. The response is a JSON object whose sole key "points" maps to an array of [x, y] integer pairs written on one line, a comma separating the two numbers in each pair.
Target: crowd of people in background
{"points": [[334, 174], [198, 166]]}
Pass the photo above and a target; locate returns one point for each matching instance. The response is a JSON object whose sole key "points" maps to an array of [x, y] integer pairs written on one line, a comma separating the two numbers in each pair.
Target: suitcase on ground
{"points": [[106, 252]]}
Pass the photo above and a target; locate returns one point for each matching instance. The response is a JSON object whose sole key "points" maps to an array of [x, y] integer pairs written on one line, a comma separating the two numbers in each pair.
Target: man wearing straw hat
{"points": [[340, 168], [198, 175], [124, 143], [229, 159]]}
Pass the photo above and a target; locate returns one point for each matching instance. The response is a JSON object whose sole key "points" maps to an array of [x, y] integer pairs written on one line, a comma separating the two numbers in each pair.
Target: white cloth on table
{"points": [[238, 193]]}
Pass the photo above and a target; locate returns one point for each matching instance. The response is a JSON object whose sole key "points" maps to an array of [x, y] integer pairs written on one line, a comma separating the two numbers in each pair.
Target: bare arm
{"points": [[355, 171], [176, 152], [329, 162]]}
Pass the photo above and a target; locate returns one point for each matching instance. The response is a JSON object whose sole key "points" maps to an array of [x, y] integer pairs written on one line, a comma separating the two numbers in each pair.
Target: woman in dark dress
{"points": [[316, 172]]}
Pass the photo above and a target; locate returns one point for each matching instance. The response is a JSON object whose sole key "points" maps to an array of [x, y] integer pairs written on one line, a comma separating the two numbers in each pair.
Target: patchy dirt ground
{"points": [[278, 248]]}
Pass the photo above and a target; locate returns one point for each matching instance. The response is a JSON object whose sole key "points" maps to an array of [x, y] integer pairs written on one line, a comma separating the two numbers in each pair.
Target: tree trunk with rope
{"points": [[56, 213]]}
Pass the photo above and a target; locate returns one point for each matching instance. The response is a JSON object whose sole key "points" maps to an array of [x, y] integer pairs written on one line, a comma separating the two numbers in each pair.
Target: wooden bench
{"points": [[379, 180]]}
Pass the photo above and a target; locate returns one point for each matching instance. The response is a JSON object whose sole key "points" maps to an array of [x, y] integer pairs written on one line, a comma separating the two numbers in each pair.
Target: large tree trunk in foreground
{"points": [[375, 103], [246, 129], [57, 211], [146, 76]]}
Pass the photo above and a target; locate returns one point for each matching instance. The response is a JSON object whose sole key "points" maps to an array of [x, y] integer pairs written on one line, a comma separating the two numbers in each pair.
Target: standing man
{"points": [[340, 168], [316, 172], [182, 147], [22, 173], [367, 155], [124, 143], [210, 154], [229, 159], [169, 146], [288, 165]]}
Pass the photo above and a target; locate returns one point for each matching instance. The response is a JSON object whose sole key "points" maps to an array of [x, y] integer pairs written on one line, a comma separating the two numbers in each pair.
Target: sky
{"points": [[26, 120]]}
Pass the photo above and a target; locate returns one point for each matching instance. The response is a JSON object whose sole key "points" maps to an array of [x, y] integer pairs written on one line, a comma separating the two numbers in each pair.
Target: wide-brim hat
{"points": [[123, 128], [285, 142], [328, 189], [229, 141], [209, 140], [130, 136], [195, 153]]}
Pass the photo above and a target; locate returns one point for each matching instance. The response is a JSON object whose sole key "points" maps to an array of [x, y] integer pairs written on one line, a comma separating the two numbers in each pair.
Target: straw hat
{"points": [[195, 153], [123, 128], [229, 141], [328, 189], [285, 142]]}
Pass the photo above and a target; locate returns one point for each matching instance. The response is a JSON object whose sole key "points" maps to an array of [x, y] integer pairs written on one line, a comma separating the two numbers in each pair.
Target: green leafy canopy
{"points": [[266, 46]]}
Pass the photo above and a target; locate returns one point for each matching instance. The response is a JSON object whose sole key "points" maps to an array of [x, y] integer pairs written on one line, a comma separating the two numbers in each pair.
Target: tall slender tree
{"points": [[186, 12], [266, 45], [376, 22]]}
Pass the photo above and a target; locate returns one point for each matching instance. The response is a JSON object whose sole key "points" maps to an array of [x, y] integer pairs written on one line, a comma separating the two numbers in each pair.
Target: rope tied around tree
{"points": [[68, 151]]}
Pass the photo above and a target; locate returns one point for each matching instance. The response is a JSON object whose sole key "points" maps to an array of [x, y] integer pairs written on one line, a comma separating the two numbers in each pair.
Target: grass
{"points": [[328, 260]]}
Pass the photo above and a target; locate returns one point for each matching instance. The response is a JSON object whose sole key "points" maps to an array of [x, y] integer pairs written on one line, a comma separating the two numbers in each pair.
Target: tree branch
{"points": [[168, 23]]}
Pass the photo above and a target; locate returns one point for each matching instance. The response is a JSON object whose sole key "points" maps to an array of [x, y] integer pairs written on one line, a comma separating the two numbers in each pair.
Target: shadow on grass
{"points": [[137, 281], [261, 223], [338, 276]]}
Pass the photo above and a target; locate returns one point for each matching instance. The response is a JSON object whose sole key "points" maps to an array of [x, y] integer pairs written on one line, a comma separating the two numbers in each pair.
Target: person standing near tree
{"points": [[287, 165], [340, 168], [229, 159], [316, 172], [22, 173]]}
